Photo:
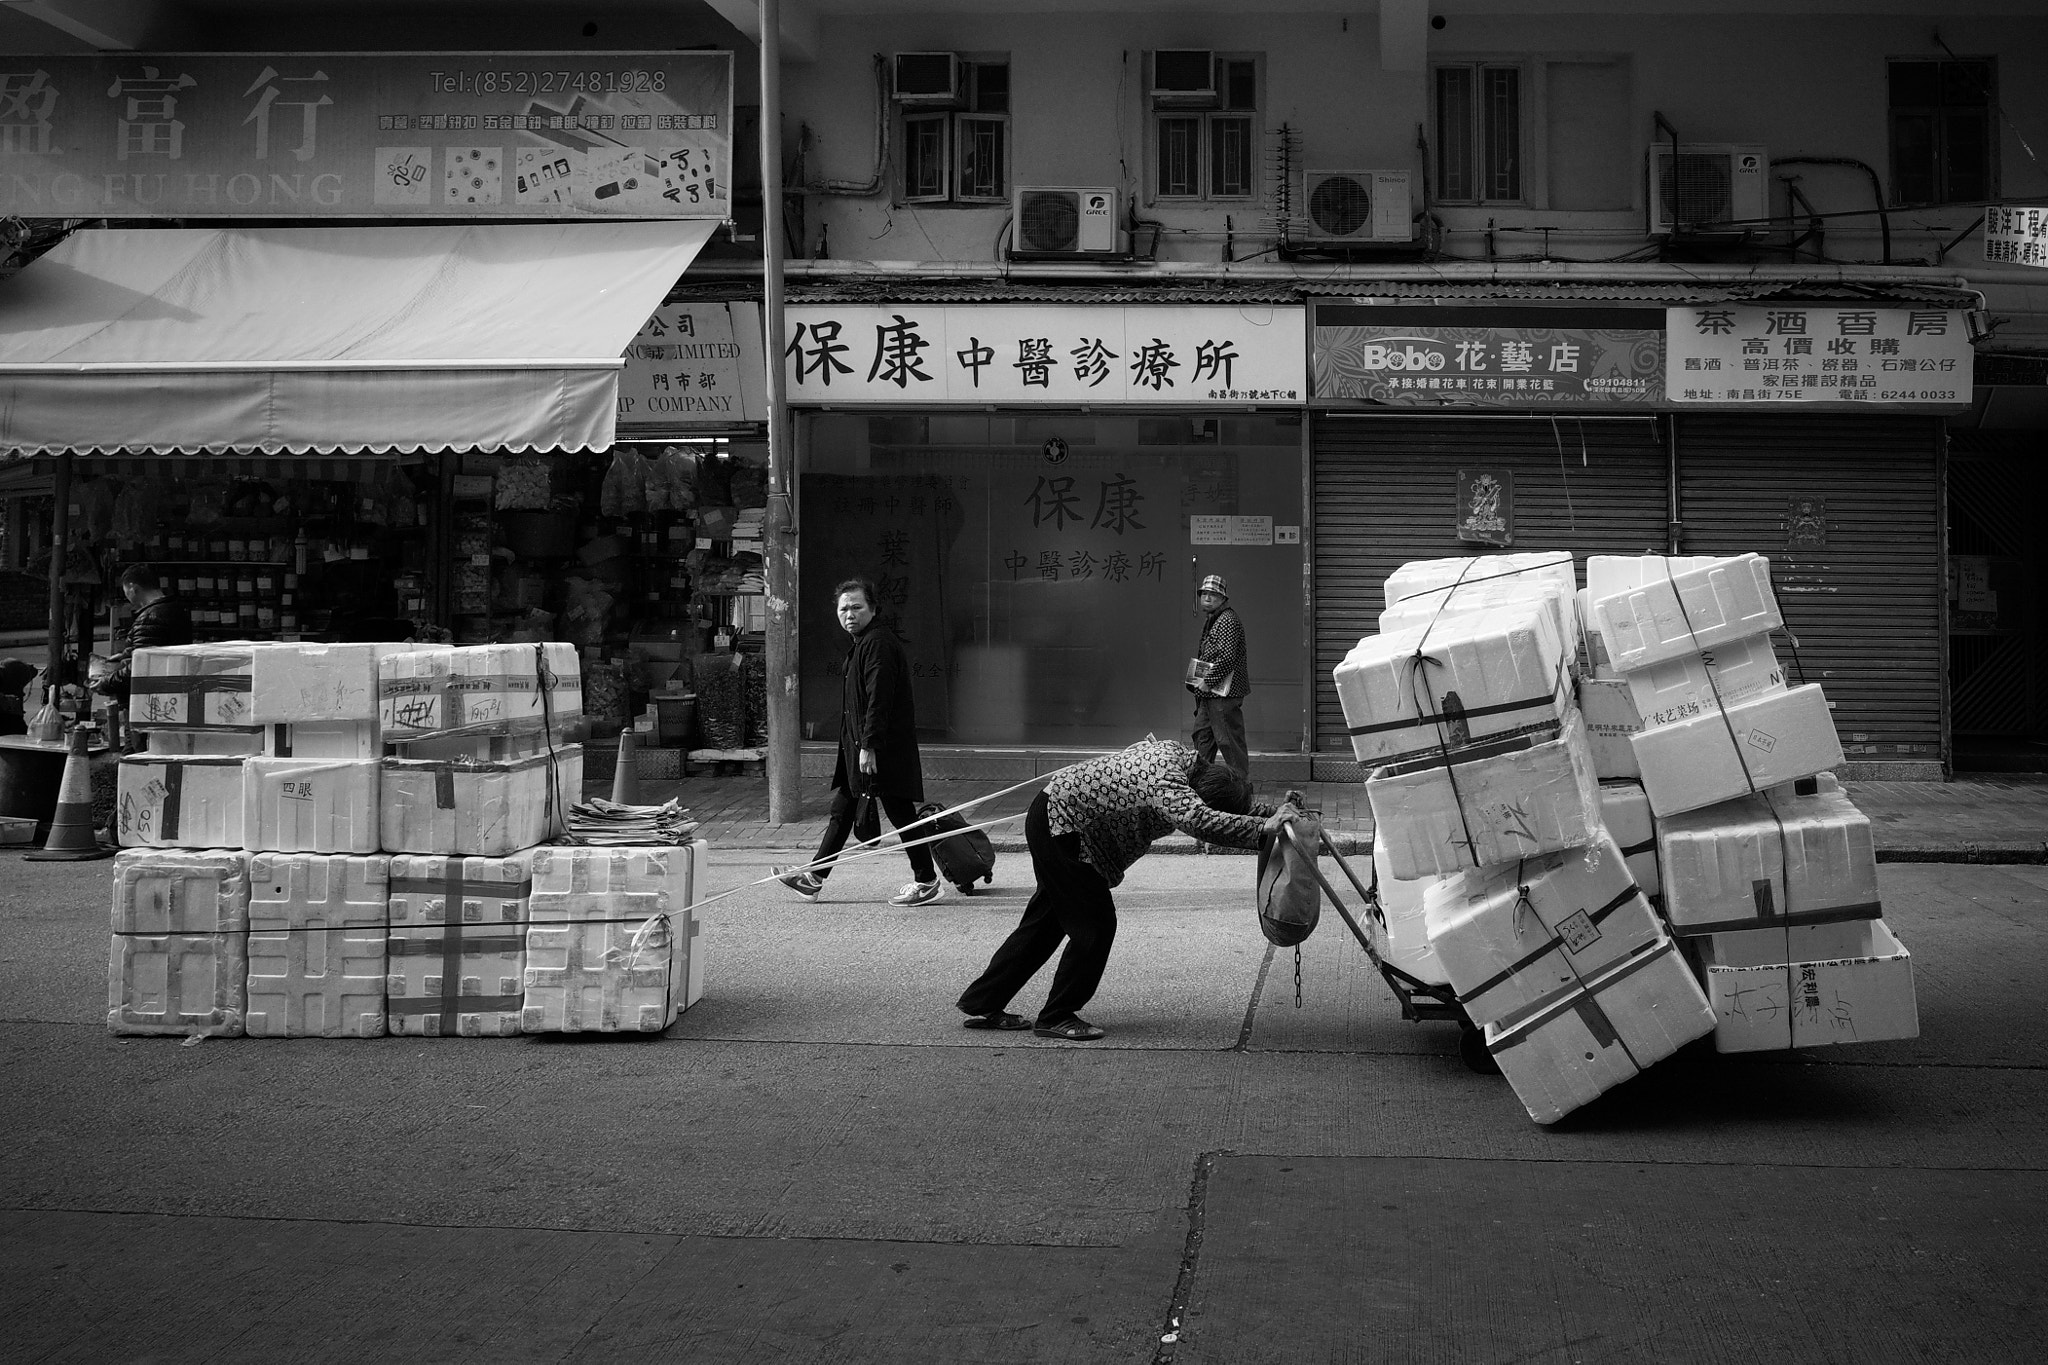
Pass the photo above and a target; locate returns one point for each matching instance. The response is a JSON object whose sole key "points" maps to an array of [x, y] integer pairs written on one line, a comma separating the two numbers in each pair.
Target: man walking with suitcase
{"points": [[878, 758]]}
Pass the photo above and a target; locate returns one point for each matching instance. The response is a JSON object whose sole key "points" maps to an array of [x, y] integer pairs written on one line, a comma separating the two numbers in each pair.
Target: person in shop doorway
{"points": [[160, 620], [1084, 830], [878, 758], [1220, 677]]}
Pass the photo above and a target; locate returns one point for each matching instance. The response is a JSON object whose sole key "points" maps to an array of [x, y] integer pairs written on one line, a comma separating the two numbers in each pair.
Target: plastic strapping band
{"points": [[174, 790]]}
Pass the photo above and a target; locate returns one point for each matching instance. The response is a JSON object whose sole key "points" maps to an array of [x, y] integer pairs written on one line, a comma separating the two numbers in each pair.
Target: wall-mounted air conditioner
{"points": [[927, 78], [1184, 78], [1710, 186], [1356, 206], [1066, 219]]}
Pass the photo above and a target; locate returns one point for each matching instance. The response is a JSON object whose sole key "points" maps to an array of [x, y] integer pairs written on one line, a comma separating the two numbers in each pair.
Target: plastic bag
{"points": [[48, 725], [525, 485], [625, 484], [135, 512], [676, 469]]}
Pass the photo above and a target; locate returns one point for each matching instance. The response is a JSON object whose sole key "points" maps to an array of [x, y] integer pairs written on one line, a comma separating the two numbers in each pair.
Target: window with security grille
{"points": [[1203, 139], [1478, 134], [961, 155], [1943, 148]]}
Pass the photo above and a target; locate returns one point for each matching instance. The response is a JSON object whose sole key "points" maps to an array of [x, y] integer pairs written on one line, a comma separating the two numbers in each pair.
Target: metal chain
{"points": [[1297, 976]]}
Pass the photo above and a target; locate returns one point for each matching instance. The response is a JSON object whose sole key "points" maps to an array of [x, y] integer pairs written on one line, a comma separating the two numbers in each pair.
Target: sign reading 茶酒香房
{"points": [[1818, 356], [2014, 235], [1190, 355], [388, 135], [1489, 357], [693, 365]]}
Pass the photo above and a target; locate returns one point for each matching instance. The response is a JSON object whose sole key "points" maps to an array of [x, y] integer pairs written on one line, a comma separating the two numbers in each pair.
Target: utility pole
{"points": [[785, 801]]}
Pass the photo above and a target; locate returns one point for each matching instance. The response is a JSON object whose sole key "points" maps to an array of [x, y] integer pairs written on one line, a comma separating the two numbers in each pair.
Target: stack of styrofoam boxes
{"points": [[481, 775], [314, 789], [457, 944], [1778, 895], [1767, 869], [180, 950], [1490, 798], [482, 765], [611, 938], [317, 924], [192, 706]]}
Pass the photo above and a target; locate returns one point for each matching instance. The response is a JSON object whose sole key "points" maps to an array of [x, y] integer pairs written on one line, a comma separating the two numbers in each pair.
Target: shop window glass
{"points": [[1051, 601]]}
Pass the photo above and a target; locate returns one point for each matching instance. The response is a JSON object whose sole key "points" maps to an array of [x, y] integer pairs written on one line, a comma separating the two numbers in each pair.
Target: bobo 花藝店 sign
{"points": [[386, 135], [1549, 357]]}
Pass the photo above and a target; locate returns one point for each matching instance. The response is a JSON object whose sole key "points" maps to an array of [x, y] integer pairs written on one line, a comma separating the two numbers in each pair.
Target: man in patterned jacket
{"points": [[1224, 679], [1088, 825]]}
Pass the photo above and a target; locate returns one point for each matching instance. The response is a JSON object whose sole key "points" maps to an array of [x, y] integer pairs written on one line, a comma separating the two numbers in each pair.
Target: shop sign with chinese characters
{"points": [[1818, 357], [2015, 235], [1490, 357], [386, 135], [694, 365], [914, 355]]}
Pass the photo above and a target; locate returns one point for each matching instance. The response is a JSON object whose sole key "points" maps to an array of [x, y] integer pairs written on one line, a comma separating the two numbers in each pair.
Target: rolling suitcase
{"points": [[964, 858]]}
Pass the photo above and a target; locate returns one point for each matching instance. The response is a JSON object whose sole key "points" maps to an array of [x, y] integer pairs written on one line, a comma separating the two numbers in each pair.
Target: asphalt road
{"points": [[818, 1164]]}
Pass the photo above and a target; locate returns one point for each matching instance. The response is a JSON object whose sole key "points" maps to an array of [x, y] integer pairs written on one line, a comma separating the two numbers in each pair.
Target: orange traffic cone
{"points": [[626, 776], [71, 839]]}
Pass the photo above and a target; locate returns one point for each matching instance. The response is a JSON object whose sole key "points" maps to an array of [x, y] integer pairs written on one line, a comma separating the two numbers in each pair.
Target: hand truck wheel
{"points": [[1472, 1051]]}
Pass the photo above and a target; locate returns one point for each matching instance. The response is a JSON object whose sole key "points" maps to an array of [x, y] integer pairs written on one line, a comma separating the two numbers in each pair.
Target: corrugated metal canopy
{"points": [[329, 340]]}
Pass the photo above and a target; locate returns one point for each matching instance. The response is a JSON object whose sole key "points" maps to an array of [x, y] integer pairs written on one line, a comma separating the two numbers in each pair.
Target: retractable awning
{"points": [[329, 340]]}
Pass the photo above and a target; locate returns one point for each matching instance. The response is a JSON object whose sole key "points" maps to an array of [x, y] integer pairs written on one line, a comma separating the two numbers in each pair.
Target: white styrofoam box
{"points": [[489, 809], [355, 739], [471, 689], [204, 743], [1611, 723], [1404, 939], [1517, 933], [1694, 684], [612, 944], [1751, 746], [1768, 861], [318, 891], [1842, 987], [180, 891], [316, 983], [457, 946], [170, 801], [1491, 803], [1698, 608], [184, 686], [1625, 810], [1432, 607], [309, 805], [294, 683], [1420, 576], [1489, 673], [180, 984], [1568, 1049], [612, 976]]}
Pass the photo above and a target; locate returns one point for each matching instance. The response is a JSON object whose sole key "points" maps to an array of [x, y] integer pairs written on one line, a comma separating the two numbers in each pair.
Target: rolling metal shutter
{"points": [[1866, 602], [1386, 492]]}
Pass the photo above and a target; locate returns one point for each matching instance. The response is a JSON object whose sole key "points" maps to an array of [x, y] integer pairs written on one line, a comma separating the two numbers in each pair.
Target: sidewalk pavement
{"points": [[1989, 818]]}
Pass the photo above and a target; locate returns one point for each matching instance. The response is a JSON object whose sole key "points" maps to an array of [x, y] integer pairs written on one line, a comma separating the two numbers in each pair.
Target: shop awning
{"points": [[338, 340]]}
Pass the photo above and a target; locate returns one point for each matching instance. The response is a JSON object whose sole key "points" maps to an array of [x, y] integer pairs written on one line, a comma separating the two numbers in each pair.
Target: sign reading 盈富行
{"points": [[387, 135]]}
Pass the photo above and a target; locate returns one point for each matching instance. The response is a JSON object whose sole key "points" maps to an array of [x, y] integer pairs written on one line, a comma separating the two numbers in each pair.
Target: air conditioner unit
{"points": [[1184, 78], [1065, 219], [1356, 206], [1711, 185], [927, 78]]}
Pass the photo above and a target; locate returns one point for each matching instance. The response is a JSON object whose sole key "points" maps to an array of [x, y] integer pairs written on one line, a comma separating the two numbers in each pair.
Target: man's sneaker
{"points": [[919, 893], [805, 884]]}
